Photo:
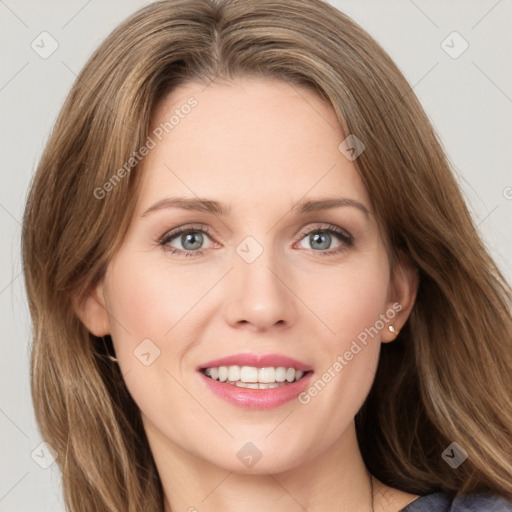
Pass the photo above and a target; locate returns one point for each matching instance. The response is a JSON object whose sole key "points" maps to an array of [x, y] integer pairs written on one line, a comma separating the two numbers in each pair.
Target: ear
{"points": [[91, 310], [403, 290]]}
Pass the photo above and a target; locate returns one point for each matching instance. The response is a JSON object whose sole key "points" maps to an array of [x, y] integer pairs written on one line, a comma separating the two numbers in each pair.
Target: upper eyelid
{"points": [[326, 227], [185, 228]]}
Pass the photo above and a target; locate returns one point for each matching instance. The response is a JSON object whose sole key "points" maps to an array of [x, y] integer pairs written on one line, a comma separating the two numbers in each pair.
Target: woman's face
{"points": [[262, 275]]}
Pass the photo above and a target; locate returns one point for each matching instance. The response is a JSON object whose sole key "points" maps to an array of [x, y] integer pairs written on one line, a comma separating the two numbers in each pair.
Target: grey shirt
{"points": [[439, 502]]}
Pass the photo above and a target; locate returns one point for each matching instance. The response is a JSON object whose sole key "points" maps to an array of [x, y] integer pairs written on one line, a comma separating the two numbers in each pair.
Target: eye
{"points": [[190, 239], [320, 239]]}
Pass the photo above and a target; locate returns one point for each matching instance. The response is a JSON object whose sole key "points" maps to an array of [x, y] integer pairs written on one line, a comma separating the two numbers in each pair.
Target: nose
{"points": [[259, 295]]}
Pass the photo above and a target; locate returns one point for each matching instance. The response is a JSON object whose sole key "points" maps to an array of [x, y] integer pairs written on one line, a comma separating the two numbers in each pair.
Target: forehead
{"points": [[256, 141]]}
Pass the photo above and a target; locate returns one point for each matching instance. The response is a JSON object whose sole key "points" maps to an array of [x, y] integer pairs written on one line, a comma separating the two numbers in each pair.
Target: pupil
{"points": [[190, 238], [316, 238]]}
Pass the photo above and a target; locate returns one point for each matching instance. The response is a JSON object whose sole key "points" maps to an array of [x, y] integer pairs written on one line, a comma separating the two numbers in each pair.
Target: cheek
{"points": [[349, 359], [148, 309], [147, 302], [352, 298]]}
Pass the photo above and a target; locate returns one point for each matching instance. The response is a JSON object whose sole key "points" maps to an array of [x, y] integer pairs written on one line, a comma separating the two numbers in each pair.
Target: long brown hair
{"points": [[448, 376]]}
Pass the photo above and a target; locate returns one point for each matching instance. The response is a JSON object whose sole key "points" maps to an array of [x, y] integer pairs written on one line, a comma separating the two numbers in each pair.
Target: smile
{"points": [[256, 381], [252, 377]]}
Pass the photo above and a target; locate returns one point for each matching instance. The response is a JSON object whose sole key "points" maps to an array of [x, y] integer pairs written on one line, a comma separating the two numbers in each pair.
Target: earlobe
{"points": [[91, 310], [404, 287]]}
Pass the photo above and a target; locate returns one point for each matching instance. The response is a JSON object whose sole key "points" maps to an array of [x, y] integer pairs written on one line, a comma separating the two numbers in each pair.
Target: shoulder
{"points": [[462, 503], [480, 503]]}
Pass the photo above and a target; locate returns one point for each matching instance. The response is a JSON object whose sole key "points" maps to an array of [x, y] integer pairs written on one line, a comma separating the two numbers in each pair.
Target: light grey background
{"points": [[468, 99]]}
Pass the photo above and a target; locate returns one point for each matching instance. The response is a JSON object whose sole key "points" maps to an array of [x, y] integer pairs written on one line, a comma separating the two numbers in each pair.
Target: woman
{"points": [[253, 279]]}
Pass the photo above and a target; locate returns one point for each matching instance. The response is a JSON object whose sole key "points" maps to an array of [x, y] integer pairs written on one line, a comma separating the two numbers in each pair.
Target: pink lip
{"points": [[257, 360], [257, 398]]}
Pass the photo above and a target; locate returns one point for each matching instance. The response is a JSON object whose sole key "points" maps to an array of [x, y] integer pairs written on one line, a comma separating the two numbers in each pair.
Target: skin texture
{"points": [[258, 146]]}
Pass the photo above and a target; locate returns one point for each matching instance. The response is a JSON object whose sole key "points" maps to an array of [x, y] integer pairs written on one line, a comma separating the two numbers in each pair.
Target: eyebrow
{"points": [[211, 206]]}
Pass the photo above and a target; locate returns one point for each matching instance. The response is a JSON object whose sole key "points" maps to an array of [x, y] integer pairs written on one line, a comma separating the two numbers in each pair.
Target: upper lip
{"points": [[257, 360]]}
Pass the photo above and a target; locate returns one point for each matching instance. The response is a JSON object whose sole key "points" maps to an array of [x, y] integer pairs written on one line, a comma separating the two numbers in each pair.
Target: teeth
{"points": [[249, 374], [223, 373], [250, 385], [267, 375], [233, 373], [252, 377], [280, 374]]}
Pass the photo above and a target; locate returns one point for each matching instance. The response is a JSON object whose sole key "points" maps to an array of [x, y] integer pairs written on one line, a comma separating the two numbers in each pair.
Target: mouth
{"points": [[256, 381], [252, 377]]}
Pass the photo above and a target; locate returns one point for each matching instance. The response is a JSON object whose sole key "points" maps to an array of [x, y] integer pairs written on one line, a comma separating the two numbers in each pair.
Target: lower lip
{"points": [[257, 398]]}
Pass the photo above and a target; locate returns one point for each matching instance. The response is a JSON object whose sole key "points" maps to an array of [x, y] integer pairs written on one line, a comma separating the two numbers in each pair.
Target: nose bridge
{"points": [[257, 292]]}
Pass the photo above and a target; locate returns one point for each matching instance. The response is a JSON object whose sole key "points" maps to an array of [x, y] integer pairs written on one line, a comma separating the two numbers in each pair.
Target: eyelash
{"points": [[346, 239]]}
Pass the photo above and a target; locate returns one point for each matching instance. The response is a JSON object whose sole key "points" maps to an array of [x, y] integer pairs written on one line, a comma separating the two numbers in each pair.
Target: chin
{"points": [[254, 458]]}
